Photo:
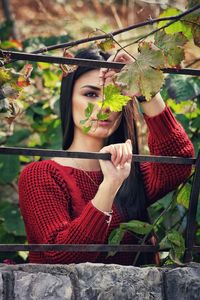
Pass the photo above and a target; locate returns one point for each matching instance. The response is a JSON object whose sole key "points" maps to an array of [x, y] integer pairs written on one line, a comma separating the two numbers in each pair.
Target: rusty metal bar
{"points": [[82, 62], [77, 248], [95, 155], [191, 218]]}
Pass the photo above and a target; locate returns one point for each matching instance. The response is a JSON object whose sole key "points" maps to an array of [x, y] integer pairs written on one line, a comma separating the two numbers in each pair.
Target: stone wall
{"points": [[98, 281]]}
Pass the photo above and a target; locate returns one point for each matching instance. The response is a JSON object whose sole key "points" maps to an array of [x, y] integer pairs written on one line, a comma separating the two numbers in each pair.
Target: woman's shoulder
{"points": [[41, 170]]}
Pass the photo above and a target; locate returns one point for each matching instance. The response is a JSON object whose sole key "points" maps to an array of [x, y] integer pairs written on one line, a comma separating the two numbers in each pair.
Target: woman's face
{"points": [[87, 89]]}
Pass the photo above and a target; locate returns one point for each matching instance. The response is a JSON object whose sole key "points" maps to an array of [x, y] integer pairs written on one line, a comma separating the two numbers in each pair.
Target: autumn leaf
{"points": [[167, 41], [113, 99], [141, 77], [11, 44], [106, 45], [172, 45]]}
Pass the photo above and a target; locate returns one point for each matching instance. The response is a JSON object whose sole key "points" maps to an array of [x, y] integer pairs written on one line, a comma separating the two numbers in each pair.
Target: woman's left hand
{"points": [[106, 74]]}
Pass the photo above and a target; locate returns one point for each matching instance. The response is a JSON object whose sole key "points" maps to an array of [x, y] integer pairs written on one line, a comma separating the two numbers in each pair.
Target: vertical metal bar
{"points": [[191, 218]]}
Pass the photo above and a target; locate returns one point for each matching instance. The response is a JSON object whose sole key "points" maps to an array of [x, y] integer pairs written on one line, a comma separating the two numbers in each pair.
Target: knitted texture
{"points": [[56, 206]]}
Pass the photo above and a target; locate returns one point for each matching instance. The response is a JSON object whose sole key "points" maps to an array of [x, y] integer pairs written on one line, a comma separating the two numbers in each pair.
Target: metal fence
{"points": [[191, 217]]}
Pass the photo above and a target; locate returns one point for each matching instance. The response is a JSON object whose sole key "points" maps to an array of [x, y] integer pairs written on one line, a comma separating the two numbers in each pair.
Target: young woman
{"points": [[80, 201]]}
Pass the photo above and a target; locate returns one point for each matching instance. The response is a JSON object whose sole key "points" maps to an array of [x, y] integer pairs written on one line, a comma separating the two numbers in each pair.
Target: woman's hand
{"points": [[106, 74], [118, 169]]}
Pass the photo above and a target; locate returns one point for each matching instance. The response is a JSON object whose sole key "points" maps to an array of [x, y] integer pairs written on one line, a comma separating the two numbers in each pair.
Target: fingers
{"points": [[106, 74], [120, 153]]}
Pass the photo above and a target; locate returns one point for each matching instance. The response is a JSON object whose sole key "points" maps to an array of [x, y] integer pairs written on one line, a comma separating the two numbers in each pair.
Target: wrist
{"points": [[110, 187], [154, 107]]}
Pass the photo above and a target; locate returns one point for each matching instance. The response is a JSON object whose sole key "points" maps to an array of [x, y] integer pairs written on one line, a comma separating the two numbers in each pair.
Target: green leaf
{"points": [[37, 42], [82, 122], [6, 30], [18, 136], [182, 87], [113, 99], [50, 78], [140, 77], [115, 238], [9, 168], [137, 227], [164, 243], [173, 256], [13, 222], [89, 110], [86, 129], [106, 45], [102, 116], [177, 26], [44, 65], [183, 196], [11, 45], [5, 75], [175, 241]]}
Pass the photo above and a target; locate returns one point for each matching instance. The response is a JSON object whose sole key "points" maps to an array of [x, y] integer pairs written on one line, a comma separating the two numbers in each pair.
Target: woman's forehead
{"points": [[88, 78]]}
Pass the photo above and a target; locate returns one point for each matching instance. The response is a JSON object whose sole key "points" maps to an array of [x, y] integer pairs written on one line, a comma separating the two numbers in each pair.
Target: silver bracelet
{"points": [[107, 213]]}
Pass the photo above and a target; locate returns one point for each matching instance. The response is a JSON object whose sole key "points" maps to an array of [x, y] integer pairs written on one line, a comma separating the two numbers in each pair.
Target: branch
{"points": [[114, 33], [82, 62]]}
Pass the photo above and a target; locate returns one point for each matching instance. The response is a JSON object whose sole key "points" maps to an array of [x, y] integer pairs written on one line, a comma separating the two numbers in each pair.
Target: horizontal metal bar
{"points": [[196, 249], [84, 248], [95, 155], [83, 62], [77, 248]]}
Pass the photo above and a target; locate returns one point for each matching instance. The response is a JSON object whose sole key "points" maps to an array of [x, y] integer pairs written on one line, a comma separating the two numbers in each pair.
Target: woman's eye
{"points": [[91, 94]]}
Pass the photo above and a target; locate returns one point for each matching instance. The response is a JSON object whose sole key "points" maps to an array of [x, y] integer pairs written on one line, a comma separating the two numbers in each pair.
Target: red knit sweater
{"points": [[55, 200]]}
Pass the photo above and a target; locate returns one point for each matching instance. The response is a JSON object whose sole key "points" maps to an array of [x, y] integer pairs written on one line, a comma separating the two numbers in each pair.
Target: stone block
{"points": [[115, 282], [1, 287], [41, 286], [182, 283]]}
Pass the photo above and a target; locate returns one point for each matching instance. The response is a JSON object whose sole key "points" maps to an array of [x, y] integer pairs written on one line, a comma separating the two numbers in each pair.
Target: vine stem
{"points": [[116, 32]]}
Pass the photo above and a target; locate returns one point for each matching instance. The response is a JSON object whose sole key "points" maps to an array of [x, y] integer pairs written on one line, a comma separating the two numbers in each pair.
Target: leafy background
{"points": [[38, 24]]}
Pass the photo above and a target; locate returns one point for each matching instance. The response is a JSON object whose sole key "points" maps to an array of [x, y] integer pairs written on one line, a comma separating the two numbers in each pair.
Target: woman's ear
{"points": [[66, 69]]}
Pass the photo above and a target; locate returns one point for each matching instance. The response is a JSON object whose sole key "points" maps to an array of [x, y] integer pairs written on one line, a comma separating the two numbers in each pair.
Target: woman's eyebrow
{"points": [[91, 87]]}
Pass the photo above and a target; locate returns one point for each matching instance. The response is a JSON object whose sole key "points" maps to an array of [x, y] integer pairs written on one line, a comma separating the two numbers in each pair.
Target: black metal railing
{"points": [[191, 217]]}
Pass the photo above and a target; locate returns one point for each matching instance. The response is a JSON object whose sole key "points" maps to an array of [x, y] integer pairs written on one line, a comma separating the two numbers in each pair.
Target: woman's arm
{"points": [[46, 201], [45, 206], [168, 138]]}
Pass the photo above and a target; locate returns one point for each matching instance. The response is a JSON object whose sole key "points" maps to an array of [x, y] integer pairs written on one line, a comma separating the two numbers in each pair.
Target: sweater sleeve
{"points": [[167, 138], [44, 202]]}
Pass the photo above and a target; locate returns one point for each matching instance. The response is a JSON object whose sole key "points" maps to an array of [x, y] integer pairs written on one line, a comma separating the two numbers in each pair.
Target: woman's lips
{"points": [[103, 122]]}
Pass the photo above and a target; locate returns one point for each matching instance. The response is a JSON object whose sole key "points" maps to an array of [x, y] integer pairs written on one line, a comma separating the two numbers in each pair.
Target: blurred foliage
{"points": [[39, 127]]}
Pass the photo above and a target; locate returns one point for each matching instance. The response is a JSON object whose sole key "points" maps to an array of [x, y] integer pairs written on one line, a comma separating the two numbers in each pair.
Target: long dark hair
{"points": [[131, 198]]}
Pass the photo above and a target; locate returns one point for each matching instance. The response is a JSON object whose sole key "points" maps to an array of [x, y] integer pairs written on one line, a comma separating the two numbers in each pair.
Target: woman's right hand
{"points": [[118, 169]]}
